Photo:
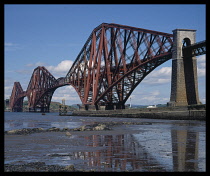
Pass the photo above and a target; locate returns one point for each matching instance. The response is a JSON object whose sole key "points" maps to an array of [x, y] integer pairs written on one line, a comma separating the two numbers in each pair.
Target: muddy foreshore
{"points": [[41, 166], [100, 144]]}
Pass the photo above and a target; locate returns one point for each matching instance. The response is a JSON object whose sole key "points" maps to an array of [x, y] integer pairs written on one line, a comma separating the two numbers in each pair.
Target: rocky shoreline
{"points": [[46, 149], [42, 167], [38, 167], [19, 166], [91, 127]]}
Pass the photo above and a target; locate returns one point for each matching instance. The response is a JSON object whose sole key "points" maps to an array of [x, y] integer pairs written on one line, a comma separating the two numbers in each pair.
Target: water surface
{"points": [[158, 145]]}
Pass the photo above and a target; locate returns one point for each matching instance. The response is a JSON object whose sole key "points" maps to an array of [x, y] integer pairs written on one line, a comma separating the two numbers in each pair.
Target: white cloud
{"points": [[201, 72], [148, 98], [7, 91], [201, 65], [163, 72], [29, 71], [158, 77], [201, 58], [36, 64], [146, 95], [162, 78], [9, 46], [61, 69], [163, 75], [203, 100], [68, 93], [155, 93], [8, 86]]}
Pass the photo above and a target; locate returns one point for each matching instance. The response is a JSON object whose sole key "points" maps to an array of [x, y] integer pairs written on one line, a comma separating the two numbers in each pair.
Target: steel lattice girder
{"points": [[39, 92], [195, 49], [41, 88], [114, 60], [16, 98]]}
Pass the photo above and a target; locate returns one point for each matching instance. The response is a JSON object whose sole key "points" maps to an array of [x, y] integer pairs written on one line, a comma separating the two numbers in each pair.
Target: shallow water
{"points": [[160, 145]]}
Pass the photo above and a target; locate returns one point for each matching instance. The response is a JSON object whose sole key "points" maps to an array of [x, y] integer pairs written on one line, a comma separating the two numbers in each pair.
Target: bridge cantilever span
{"points": [[16, 98], [111, 64], [111, 52], [39, 91]]}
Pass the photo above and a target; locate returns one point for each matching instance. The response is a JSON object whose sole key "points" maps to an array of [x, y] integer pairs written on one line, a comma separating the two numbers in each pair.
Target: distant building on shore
{"points": [[152, 106]]}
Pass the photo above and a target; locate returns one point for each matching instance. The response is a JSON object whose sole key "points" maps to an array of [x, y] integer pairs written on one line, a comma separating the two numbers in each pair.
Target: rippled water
{"points": [[160, 145]]}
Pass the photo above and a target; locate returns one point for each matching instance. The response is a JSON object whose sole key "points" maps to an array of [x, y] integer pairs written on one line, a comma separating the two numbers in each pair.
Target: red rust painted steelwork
{"points": [[112, 62], [195, 49], [39, 92], [41, 88], [16, 99]]}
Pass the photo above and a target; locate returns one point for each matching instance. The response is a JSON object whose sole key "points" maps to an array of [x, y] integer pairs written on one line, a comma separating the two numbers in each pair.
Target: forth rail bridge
{"points": [[113, 62]]}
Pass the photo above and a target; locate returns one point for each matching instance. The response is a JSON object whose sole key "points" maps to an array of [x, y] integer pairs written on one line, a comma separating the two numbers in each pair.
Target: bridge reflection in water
{"points": [[175, 151], [177, 146], [115, 153], [185, 150]]}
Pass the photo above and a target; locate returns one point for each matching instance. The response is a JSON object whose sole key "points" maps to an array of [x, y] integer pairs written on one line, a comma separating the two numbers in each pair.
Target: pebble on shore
{"points": [[68, 134]]}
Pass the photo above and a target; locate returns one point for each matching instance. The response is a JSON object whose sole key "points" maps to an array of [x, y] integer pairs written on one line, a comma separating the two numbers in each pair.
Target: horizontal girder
{"points": [[195, 49]]}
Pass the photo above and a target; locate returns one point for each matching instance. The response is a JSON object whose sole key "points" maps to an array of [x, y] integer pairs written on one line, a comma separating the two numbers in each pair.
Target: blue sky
{"points": [[53, 35]]}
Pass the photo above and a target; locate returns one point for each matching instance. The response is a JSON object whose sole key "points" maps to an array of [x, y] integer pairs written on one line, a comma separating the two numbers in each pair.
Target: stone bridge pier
{"points": [[184, 83]]}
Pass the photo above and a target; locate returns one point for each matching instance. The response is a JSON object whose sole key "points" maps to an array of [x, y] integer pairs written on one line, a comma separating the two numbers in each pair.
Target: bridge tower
{"points": [[184, 83]]}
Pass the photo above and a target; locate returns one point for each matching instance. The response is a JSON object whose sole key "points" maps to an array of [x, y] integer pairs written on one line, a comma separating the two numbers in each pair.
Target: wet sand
{"points": [[81, 144], [136, 146]]}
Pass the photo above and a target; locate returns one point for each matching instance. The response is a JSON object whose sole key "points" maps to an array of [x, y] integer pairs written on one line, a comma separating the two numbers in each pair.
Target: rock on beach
{"points": [[25, 131], [68, 134], [101, 127], [38, 166], [92, 127]]}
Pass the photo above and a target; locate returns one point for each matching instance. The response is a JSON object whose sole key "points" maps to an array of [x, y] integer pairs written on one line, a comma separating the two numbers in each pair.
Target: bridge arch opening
{"points": [[150, 90], [68, 93], [186, 42]]}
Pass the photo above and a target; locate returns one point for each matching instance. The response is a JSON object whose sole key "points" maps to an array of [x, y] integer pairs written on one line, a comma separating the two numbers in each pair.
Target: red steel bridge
{"points": [[111, 64]]}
